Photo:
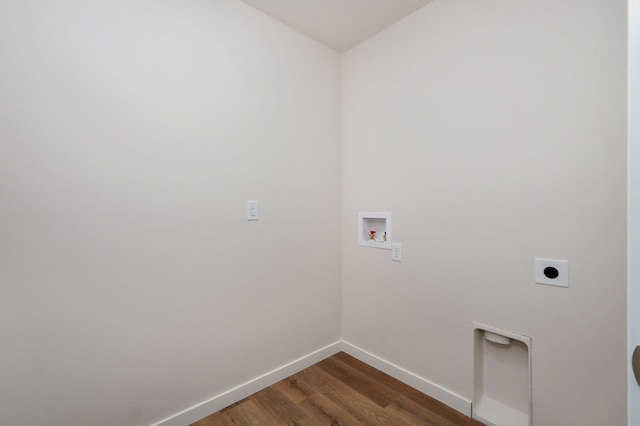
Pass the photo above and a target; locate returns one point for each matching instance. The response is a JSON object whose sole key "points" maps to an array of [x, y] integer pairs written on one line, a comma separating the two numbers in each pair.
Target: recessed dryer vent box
{"points": [[501, 377], [374, 229]]}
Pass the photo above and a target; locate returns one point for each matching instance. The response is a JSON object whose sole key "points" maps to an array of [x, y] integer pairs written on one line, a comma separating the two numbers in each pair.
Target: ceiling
{"points": [[339, 24]]}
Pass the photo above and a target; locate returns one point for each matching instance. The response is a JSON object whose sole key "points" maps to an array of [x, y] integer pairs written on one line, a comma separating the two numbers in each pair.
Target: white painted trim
{"points": [[218, 402], [423, 385], [633, 205]]}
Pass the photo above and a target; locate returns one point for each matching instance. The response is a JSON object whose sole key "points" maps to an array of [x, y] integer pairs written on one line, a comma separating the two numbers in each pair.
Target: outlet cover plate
{"points": [[252, 210], [396, 252], [552, 272]]}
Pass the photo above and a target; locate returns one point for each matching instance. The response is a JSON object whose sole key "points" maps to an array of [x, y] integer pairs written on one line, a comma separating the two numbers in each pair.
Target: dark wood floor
{"points": [[338, 391]]}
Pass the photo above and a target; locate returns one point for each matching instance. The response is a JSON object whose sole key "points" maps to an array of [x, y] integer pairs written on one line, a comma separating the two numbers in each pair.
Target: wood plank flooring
{"points": [[339, 391]]}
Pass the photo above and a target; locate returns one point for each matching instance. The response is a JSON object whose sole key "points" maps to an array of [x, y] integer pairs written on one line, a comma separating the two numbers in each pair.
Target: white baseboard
{"points": [[423, 385], [218, 402]]}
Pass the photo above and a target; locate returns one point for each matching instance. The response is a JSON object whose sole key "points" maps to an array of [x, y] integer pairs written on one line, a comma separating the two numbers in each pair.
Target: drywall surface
{"points": [[131, 135], [494, 131]]}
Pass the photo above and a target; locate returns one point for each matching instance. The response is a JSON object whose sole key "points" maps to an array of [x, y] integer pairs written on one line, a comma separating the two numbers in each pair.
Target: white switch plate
{"points": [[252, 210], [396, 252], [552, 272]]}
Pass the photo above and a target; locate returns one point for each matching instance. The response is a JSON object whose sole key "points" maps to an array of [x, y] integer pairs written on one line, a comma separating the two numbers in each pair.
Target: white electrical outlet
{"points": [[252, 210], [552, 272], [396, 252]]}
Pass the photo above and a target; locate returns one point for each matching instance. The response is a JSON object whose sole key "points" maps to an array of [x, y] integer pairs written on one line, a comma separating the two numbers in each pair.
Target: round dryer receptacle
{"points": [[551, 272]]}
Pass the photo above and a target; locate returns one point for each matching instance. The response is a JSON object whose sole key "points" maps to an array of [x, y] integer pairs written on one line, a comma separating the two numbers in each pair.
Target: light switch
{"points": [[252, 210]]}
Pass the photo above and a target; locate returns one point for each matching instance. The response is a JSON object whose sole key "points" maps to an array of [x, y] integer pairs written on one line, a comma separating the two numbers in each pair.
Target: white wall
{"points": [[495, 132], [131, 135]]}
